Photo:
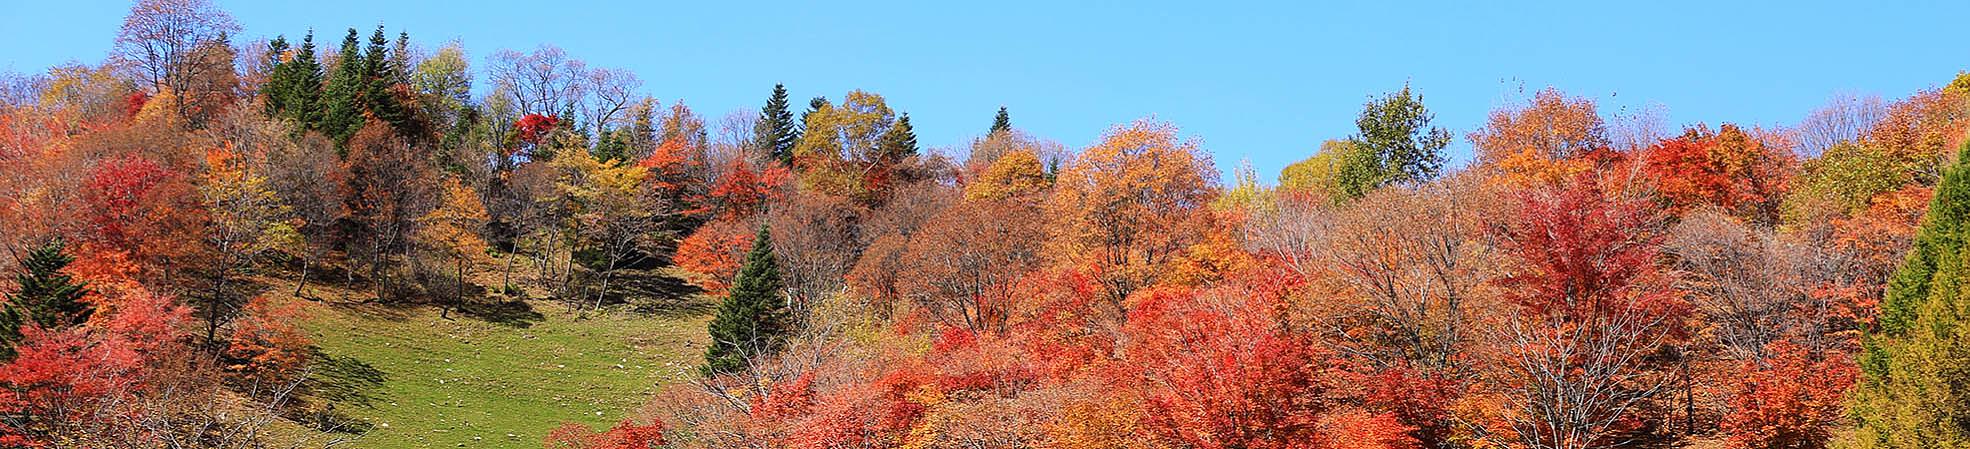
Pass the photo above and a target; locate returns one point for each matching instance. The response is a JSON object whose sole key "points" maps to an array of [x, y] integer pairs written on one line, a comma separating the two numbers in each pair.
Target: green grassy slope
{"points": [[499, 381]]}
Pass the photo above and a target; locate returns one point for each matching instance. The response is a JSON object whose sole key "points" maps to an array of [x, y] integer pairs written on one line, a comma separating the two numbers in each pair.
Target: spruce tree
{"points": [[775, 132], [294, 86], [342, 113], [900, 141], [304, 87], [47, 298], [275, 88], [1001, 123], [380, 73], [1915, 367], [753, 319]]}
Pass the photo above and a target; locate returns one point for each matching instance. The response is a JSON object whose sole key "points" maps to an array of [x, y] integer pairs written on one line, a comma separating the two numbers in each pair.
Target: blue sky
{"points": [[1258, 81]]}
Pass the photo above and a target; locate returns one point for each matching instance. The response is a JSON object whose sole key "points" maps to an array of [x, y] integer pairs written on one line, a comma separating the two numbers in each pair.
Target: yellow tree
{"points": [[452, 230], [247, 220], [610, 213], [1128, 206]]}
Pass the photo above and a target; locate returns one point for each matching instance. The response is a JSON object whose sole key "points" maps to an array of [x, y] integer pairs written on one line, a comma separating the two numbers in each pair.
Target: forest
{"points": [[176, 216]]}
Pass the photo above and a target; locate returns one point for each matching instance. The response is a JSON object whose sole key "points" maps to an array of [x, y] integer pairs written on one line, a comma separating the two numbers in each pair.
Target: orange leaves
{"points": [[1729, 168], [1543, 140], [712, 254], [266, 345], [1792, 400], [1129, 205]]}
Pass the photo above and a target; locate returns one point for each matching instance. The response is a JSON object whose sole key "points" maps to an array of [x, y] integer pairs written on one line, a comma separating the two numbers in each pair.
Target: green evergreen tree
{"points": [[1001, 123], [47, 298], [342, 113], [1396, 130], [1915, 368], [293, 88], [382, 72], [775, 132], [274, 88], [753, 319], [900, 141]]}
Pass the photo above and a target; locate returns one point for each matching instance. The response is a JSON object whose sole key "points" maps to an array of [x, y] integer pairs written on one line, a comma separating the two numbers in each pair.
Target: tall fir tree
{"points": [[294, 88], [753, 319], [342, 113], [775, 133], [1001, 123], [47, 298], [381, 70], [900, 141], [276, 99], [1915, 385]]}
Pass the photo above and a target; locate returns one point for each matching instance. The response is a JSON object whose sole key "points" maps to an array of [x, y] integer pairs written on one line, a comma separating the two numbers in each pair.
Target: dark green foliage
{"points": [[775, 133], [1001, 123], [1358, 173], [753, 319], [900, 141], [382, 70], [1915, 367], [47, 298], [293, 89], [1396, 130], [342, 113]]}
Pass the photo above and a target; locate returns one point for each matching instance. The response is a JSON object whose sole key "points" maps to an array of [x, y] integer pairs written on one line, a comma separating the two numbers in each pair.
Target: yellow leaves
{"points": [[453, 227], [1017, 173], [1129, 205], [247, 216], [595, 186]]}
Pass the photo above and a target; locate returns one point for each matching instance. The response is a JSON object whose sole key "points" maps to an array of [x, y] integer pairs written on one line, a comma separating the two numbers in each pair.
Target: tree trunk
{"points": [[606, 275], [302, 283]]}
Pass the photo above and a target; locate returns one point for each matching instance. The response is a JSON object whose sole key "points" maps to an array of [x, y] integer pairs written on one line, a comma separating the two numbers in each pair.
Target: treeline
{"points": [[1590, 281]]}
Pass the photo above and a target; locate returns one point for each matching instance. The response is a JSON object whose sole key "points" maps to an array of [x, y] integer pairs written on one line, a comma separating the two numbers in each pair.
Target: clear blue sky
{"points": [[1265, 82]]}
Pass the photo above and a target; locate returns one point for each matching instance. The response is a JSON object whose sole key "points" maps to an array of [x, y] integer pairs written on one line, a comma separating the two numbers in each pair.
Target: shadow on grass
{"points": [[337, 382], [512, 313], [661, 294]]}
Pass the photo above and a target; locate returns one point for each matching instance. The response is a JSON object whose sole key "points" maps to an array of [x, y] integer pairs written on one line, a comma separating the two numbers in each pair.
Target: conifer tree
{"points": [[342, 113], [900, 141], [753, 318], [1915, 387], [775, 132], [47, 298], [294, 88], [1001, 123], [381, 73]]}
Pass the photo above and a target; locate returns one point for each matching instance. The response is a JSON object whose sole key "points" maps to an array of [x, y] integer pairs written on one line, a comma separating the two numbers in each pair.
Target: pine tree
{"points": [[293, 89], [343, 112], [47, 298], [775, 132], [380, 71], [753, 318], [1915, 387], [275, 88], [1001, 123], [900, 141]]}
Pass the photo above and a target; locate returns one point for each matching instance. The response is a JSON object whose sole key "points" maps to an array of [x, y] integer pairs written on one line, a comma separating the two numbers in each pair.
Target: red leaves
{"points": [[624, 435], [1585, 250], [1730, 168], [1794, 399], [60, 375], [1217, 371], [531, 128]]}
